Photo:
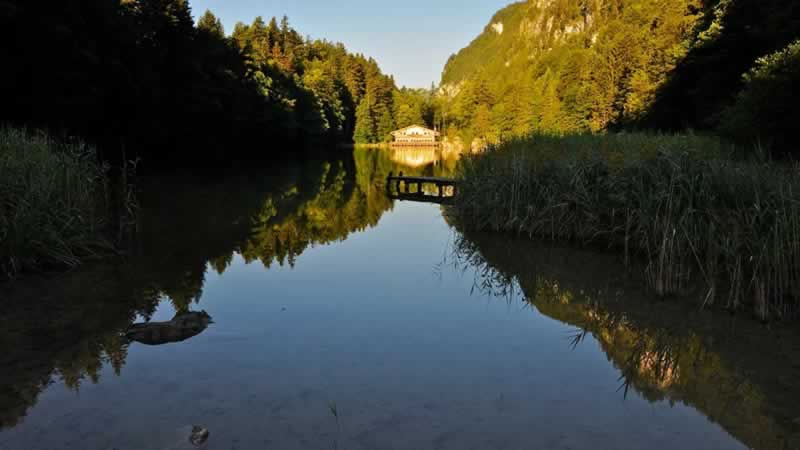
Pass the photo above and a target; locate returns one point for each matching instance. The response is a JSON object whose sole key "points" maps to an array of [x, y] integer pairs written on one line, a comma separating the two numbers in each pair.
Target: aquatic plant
{"points": [[55, 203], [680, 203]]}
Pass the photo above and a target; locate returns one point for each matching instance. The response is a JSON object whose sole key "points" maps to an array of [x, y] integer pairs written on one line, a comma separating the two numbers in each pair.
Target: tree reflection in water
{"points": [[740, 374], [67, 328]]}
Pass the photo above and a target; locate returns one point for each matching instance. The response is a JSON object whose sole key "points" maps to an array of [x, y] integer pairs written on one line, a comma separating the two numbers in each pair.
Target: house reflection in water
{"points": [[415, 156]]}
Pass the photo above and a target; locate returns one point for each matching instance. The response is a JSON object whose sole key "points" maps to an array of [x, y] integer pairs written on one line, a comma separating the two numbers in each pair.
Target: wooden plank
{"points": [[434, 180]]}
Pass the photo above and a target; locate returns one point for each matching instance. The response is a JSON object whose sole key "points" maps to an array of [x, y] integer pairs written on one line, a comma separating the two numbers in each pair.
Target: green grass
{"points": [[54, 204], [693, 214]]}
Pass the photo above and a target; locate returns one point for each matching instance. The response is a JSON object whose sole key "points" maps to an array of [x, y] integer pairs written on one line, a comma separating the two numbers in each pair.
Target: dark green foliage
{"points": [[137, 78], [55, 207], [727, 41], [765, 112], [210, 24]]}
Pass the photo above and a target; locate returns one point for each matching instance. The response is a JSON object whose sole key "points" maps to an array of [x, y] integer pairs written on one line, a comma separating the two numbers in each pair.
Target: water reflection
{"points": [[740, 374], [421, 157], [431, 366], [183, 326], [67, 328]]}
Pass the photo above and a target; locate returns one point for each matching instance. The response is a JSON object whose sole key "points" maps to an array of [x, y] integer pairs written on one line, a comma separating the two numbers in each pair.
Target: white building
{"points": [[415, 135]]}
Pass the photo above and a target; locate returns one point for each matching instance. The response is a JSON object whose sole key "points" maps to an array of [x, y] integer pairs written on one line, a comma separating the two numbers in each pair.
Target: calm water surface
{"points": [[343, 320]]}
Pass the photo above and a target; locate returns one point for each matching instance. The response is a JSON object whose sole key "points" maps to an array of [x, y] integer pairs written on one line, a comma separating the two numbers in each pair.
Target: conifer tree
{"points": [[365, 124], [274, 33], [385, 127], [211, 25]]}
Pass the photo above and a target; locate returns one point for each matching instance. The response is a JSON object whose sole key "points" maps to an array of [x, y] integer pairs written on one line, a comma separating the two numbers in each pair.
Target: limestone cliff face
{"points": [[519, 33]]}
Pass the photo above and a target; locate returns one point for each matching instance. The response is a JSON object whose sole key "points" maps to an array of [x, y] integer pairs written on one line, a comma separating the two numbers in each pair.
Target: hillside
{"points": [[565, 65], [591, 65], [498, 41]]}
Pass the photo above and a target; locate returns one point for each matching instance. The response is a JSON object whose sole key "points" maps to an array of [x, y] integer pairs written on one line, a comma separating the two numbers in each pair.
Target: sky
{"points": [[410, 39]]}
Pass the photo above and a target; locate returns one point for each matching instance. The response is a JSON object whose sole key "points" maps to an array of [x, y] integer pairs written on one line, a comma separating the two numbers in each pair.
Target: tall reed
{"points": [[678, 202], [54, 203]]}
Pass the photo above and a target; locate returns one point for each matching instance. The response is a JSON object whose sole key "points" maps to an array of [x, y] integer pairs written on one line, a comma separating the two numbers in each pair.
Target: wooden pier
{"points": [[413, 188], [422, 145]]}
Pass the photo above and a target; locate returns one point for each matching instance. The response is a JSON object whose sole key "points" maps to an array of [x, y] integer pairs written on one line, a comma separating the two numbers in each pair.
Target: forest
{"points": [[139, 79], [145, 86], [662, 129], [146, 79], [150, 81], [724, 67]]}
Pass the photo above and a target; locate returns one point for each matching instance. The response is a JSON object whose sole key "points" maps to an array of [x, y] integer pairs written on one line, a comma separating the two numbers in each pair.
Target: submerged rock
{"points": [[199, 436], [182, 327], [183, 438]]}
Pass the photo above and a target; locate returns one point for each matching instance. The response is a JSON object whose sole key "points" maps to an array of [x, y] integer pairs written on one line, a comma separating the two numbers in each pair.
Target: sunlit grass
{"points": [[678, 202], [54, 203]]}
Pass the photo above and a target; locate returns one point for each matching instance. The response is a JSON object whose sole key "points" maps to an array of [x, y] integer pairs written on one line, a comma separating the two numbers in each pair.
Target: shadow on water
{"points": [[740, 374], [68, 326]]}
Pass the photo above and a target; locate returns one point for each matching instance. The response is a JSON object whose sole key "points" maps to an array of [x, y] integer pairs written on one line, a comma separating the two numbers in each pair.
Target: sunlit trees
{"points": [[568, 65], [211, 25], [138, 76], [365, 124]]}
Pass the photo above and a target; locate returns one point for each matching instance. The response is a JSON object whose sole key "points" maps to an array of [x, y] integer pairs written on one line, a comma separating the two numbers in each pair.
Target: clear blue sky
{"points": [[410, 39]]}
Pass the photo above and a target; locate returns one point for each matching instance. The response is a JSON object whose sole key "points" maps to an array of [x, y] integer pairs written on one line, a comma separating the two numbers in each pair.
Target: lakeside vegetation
{"points": [[56, 206], [572, 66], [680, 203], [549, 83]]}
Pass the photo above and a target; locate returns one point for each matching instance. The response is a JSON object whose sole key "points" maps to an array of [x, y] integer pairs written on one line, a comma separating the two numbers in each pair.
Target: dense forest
{"points": [[140, 78], [556, 66]]}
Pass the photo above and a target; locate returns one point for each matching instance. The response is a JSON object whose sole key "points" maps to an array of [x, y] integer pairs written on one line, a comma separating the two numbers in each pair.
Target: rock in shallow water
{"points": [[199, 436], [182, 327]]}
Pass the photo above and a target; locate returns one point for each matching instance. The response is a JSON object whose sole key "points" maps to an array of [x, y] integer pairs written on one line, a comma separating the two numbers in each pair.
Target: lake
{"points": [[340, 319]]}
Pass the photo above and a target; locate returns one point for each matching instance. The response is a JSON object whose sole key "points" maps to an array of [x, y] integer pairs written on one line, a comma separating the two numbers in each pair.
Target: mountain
{"points": [[498, 41], [590, 65]]}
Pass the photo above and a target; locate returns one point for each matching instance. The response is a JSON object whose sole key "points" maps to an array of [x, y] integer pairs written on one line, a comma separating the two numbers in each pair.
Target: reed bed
{"points": [[54, 203], [680, 203]]}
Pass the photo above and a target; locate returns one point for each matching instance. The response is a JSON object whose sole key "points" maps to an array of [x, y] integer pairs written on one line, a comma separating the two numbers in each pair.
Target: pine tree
{"points": [[354, 79], [365, 124], [386, 125], [274, 33], [241, 36], [259, 41], [211, 25], [285, 32]]}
